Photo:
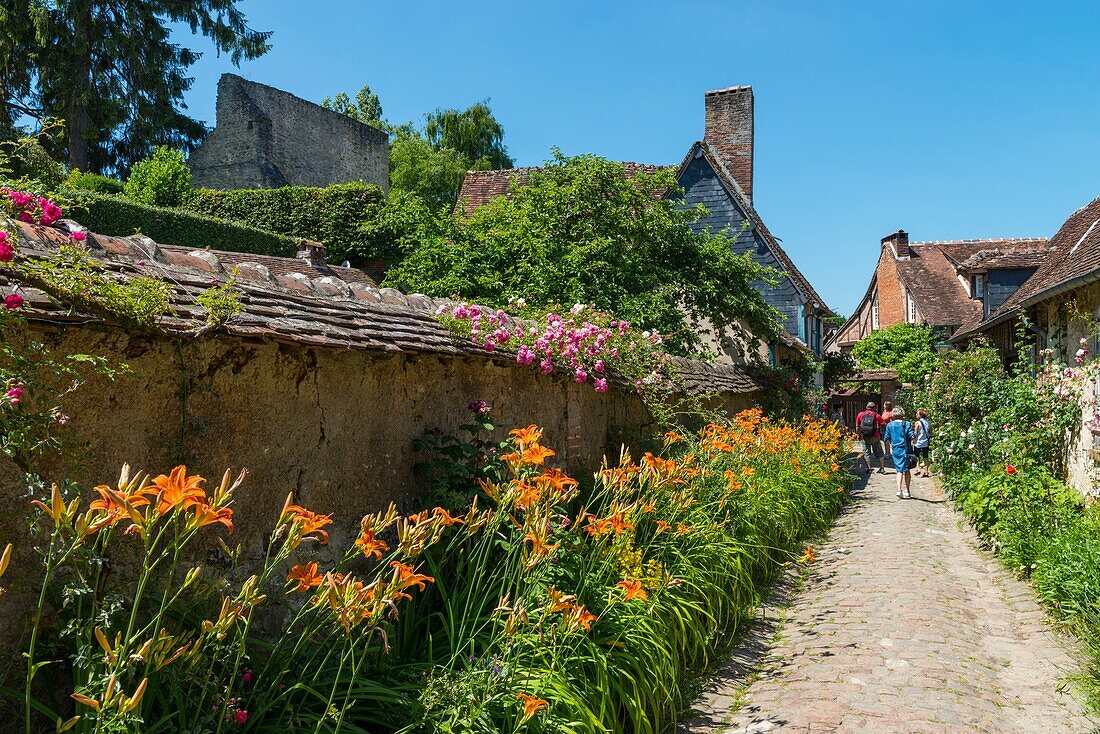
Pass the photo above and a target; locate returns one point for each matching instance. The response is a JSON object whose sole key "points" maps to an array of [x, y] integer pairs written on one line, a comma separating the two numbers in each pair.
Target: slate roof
{"points": [[743, 202], [1075, 259], [291, 301], [481, 187]]}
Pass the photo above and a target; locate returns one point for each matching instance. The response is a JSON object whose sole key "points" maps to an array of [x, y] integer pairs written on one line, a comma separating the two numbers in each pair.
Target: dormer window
{"points": [[911, 308], [979, 287]]}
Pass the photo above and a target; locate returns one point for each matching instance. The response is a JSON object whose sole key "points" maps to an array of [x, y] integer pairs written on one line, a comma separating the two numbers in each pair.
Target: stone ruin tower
{"points": [[266, 138]]}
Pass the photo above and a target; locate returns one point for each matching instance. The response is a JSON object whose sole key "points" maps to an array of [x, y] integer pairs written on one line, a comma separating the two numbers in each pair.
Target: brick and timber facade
{"points": [[949, 285]]}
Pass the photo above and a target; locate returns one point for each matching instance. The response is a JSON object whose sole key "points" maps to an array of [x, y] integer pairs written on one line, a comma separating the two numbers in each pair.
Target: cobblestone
{"points": [[901, 625]]}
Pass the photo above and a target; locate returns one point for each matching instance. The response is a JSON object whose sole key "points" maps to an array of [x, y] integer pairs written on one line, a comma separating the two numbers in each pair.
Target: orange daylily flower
{"points": [[309, 522], [528, 436], [633, 590], [370, 545], [581, 617], [536, 455], [672, 437], [529, 494], [619, 524], [662, 526], [748, 471], [306, 576], [407, 576], [559, 601], [176, 489], [445, 518], [557, 480], [808, 556], [207, 515], [539, 546], [531, 705]]}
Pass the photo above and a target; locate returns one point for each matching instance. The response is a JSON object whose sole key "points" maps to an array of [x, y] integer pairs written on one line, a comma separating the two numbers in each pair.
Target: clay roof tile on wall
{"points": [[291, 301]]}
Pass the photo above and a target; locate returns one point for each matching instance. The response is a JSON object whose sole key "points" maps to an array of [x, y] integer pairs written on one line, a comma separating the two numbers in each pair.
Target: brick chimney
{"points": [[311, 252], [729, 129], [899, 243]]}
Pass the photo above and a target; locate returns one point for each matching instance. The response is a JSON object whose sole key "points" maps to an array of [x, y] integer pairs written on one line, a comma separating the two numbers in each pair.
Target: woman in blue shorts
{"points": [[899, 437]]}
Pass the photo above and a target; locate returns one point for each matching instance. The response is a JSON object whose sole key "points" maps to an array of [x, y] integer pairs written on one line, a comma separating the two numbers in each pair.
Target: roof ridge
{"points": [[979, 241]]}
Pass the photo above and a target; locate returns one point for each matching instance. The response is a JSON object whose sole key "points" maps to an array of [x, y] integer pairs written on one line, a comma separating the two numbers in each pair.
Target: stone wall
{"points": [[1083, 446], [266, 138], [335, 427]]}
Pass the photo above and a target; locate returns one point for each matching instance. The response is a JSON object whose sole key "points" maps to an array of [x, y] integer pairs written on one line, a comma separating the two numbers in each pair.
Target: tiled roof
{"points": [[1004, 253], [876, 374], [800, 281], [289, 300], [1075, 255], [1078, 253], [930, 277], [481, 187]]}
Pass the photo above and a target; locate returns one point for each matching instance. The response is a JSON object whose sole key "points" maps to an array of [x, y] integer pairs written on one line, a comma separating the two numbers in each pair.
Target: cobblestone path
{"points": [[901, 625]]}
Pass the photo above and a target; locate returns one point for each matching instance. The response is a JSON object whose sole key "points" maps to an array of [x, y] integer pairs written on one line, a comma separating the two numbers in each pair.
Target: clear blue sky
{"points": [[948, 119]]}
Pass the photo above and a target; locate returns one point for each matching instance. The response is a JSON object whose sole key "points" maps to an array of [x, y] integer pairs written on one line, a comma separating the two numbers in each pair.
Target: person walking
{"points": [[837, 416], [899, 435], [868, 426], [923, 431], [887, 416]]}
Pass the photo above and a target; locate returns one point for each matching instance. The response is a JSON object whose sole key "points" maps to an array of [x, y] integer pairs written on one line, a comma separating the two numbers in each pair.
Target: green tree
{"points": [[432, 161], [433, 174], [113, 71], [163, 179], [366, 108], [581, 231], [908, 348], [473, 132]]}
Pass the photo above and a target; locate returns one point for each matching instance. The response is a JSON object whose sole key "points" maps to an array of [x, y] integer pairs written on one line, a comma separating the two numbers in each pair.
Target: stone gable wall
{"points": [[266, 138]]}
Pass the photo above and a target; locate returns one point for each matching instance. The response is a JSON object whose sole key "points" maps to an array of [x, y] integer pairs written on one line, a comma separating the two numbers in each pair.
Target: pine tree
{"points": [[112, 71]]}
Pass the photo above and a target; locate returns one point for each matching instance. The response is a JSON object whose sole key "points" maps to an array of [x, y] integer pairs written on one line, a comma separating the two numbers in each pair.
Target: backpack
{"points": [[867, 424]]}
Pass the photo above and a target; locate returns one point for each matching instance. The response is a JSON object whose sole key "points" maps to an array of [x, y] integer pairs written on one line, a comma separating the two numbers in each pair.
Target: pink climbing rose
{"points": [[13, 301], [601, 384], [7, 252]]}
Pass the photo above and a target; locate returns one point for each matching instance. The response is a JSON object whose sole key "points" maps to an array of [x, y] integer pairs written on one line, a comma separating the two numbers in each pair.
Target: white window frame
{"points": [[874, 312], [979, 287], [910, 308]]}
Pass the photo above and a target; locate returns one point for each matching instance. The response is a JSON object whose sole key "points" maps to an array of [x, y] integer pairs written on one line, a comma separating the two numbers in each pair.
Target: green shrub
{"points": [[162, 179], [85, 181], [114, 215], [332, 215]]}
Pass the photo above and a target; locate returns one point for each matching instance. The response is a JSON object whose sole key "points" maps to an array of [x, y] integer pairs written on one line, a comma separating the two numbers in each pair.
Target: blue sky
{"points": [[948, 119]]}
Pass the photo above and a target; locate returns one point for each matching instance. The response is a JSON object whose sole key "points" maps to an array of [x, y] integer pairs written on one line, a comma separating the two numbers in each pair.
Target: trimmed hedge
{"points": [[93, 182], [331, 215], [114, 215]]}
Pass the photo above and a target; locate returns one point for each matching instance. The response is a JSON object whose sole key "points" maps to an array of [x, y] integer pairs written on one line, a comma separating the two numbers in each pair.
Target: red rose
{"points": [[1010, 470]]}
